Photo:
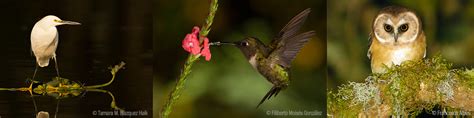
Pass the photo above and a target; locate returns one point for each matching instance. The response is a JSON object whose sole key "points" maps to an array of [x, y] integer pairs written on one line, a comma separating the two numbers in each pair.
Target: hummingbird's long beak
{"points": [[221, 43], [237, 43], [69, 22]]}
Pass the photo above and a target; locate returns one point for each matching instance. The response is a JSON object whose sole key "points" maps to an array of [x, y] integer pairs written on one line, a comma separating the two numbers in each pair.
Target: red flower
{"points": [[191, 42], [205, 51], [192, 45]]}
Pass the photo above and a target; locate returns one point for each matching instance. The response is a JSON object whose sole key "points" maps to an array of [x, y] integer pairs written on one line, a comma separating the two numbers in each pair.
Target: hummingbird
{"points": [[273, 61]]}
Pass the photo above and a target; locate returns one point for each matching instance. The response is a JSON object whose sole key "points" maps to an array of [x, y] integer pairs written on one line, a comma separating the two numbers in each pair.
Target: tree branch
{"points": [[407, 90]]}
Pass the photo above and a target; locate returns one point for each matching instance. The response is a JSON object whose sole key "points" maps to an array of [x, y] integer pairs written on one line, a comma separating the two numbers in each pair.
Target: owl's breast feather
{"points": [[400, 55]]}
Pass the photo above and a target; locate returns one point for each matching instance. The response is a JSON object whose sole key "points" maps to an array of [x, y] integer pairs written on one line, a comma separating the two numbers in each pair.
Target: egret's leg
{"points": [[56, 64], [34, 74], [32, 97], [57, 108], [34, 104]]}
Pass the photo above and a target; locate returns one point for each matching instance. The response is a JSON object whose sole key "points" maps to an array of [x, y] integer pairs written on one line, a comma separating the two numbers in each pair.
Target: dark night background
{"points": [[227, 86], [111, 31]]}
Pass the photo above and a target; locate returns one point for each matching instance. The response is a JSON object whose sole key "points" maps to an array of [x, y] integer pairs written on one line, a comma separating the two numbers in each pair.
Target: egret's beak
{"points": [[69, 22]]}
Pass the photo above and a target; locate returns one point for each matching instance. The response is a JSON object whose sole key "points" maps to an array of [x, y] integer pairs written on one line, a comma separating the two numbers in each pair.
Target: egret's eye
{"points": [[244, 43], [387, 28], [404, 28], [56, 20]]}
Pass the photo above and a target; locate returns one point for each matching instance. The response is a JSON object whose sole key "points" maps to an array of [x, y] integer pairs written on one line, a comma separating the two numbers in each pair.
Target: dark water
{"points": [[111, 31]]}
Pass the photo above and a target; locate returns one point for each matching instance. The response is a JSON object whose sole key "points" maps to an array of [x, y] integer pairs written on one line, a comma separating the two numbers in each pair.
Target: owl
{"points": [[397, 35]]}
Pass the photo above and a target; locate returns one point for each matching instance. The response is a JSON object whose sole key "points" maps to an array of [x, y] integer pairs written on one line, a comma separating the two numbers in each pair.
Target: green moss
{"points": [[407, 89], [468, 79]]}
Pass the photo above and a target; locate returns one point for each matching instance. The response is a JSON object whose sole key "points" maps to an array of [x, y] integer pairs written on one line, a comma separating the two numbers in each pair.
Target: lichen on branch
{"points": [[407, 89]]}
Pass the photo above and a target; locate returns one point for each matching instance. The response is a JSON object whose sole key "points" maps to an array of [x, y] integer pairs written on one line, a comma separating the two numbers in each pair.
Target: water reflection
{"points": [[111, 31], [62, 88]]}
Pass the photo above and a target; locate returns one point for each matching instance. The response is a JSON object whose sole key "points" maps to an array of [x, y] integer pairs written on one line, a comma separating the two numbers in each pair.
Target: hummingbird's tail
{"points": [[273, 92]]}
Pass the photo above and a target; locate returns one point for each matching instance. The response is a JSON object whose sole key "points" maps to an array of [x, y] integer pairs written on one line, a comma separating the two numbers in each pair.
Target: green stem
{"points": [[210, 18], [113, 71], [113, 103], [176, 92], [14, 89]]}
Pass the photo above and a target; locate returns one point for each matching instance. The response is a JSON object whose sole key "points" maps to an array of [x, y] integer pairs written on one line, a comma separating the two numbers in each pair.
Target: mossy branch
{"points": [[176, 92], [407, 90]]}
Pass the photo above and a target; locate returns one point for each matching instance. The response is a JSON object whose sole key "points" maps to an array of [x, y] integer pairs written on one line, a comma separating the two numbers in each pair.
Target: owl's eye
{"points": [[404, 27], [387, 28]]}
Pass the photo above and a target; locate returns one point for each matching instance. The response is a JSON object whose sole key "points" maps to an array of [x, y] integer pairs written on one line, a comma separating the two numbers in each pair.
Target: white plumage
{"points": [[44, 39]]}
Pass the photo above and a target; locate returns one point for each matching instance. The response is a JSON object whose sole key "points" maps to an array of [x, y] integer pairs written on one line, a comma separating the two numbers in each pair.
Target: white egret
{"points": [[44, 40]]}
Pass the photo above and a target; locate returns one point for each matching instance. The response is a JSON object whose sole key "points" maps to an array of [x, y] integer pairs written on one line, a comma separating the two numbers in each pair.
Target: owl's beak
{"points": [[395, 37]]}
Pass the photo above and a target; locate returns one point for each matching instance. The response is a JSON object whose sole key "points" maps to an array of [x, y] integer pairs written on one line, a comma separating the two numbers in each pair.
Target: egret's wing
{"points": [[55, 44]]}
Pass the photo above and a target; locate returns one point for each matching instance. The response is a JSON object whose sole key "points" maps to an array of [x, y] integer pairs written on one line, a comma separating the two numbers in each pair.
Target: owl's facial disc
{"points": [[398, 29], [383, 28], [408, 27]]}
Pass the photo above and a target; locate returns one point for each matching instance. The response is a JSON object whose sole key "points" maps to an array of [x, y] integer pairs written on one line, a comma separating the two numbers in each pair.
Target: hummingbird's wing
{"points": [[285, 54], [286, 45], [291, 28]]}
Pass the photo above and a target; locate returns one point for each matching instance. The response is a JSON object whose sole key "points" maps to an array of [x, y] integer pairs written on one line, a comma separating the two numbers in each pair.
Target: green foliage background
{"points": [[448, 25], [228, 86]]}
